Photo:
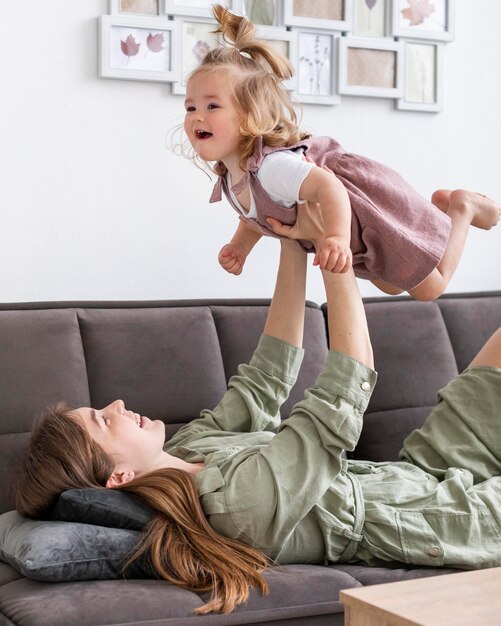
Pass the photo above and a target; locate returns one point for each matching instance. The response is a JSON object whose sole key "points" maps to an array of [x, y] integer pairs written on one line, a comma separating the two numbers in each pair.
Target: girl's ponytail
{"points": [[240, 33], [256, 73]]}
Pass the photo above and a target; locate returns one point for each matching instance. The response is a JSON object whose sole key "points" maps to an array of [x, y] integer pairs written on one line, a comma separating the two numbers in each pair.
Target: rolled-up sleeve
{"points": [[297, 467]]}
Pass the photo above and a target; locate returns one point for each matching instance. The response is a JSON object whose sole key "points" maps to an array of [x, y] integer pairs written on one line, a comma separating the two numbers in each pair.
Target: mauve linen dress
{"points": [[396, 234]]}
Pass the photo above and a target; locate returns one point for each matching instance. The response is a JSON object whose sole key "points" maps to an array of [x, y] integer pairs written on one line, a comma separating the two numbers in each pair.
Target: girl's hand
{"points": [[309, 224], [333, 254], [232, 258]]}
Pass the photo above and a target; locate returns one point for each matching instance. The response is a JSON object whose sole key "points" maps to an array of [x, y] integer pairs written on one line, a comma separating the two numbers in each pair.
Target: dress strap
{"points": [[217, 192]]}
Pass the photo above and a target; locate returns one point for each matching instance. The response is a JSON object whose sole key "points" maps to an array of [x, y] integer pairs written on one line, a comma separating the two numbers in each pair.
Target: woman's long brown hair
{"points": [[179, 543]]}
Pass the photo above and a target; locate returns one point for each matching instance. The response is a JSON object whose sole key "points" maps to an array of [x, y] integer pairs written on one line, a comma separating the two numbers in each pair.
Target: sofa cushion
{"points": [[414, 359], [470, 319], [162, 362], [237, 346], [65, 551], [102, 507], [41, 362], [299, 594]]}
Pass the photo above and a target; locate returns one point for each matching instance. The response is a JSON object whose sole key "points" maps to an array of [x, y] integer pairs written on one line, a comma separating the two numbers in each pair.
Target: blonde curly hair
{"points": [[256, 73]]}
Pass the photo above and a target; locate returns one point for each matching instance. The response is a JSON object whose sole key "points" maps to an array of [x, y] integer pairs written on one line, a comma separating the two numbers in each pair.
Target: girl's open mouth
{"points": [[202, 134]]}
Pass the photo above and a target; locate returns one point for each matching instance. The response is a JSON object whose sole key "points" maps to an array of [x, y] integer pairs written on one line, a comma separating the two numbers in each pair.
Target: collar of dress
{"points": [[253, 164]]}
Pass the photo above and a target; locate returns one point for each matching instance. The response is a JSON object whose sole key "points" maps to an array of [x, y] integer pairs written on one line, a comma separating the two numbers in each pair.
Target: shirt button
{"points": [[433, 551], [365, 386]]}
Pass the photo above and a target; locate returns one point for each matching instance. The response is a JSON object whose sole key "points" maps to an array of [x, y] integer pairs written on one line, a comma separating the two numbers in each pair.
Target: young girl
{"points": [[239, 115]]}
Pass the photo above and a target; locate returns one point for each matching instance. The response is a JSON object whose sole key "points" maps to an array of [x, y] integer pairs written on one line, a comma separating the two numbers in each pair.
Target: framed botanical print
{"points": [[138, 48], [316, 67], [423, 80], [201, 8], [371, 18], [323, 14], [261, 12], [285, 42], [370, 67], [196, 38], [423, 19], [135, 7]]}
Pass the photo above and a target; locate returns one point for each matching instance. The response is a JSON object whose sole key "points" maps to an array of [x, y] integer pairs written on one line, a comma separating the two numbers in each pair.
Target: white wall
{"points": [[94, 206]]}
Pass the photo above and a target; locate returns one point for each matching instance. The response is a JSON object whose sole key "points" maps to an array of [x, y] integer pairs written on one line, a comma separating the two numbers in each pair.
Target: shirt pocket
{"points": [[464, 539], [420, 543]]}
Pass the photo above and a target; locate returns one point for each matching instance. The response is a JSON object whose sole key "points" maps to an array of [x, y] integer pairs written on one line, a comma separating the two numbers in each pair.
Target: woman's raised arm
{"points": [[348, 331], [285, 319]]}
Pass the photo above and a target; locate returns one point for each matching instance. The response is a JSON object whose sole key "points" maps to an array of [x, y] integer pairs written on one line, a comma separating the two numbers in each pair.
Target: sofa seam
{"points": [[79, 322]]}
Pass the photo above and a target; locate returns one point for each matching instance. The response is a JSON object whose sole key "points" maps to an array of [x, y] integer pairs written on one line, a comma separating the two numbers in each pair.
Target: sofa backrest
{"points": [[171, 359]]}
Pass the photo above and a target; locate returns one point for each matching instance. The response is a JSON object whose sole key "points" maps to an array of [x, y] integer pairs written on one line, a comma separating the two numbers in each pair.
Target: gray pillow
{"points": [[67, 551], [103, 507]]}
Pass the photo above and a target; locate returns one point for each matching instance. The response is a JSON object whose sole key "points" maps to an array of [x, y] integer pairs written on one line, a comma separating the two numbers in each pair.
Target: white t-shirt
{"points": [[281, 175]]}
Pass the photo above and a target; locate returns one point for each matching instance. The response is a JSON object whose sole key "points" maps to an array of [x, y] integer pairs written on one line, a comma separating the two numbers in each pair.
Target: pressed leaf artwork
{"points": [[155, 43], [369, 18], [140, 49], [418, 11], [420, 61], [314, 64], [423, 17], [200, 49], [198, 38], [130, 47]]}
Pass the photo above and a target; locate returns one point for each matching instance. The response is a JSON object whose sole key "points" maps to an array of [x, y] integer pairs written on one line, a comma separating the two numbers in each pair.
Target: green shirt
{"points": [[294, 495]]}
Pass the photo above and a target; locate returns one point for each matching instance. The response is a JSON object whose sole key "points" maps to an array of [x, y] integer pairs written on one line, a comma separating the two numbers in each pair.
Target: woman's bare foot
{"points": [[482, 211]]}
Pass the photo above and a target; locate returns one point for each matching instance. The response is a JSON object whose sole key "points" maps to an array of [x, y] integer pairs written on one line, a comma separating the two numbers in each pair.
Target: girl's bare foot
{"points": [[440, 199], [481, 210]]}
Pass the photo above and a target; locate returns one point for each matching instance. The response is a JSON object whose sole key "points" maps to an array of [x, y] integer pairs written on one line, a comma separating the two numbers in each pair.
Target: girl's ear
{"points": [[119, 478]]}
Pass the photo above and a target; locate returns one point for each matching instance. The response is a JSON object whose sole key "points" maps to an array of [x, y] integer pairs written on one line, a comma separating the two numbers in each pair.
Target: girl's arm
{"points": [[232, 255], [333, 248]]}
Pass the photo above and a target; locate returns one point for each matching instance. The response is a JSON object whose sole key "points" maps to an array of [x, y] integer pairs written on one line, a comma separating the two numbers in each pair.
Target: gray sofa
{"points": [[171, 359]]}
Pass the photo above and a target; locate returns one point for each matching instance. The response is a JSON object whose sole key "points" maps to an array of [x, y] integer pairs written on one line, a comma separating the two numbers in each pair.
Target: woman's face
{"points": [[133, 442]]}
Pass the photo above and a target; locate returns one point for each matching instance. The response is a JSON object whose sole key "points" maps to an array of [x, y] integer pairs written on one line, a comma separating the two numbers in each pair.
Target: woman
{"points": [[232, 497]]}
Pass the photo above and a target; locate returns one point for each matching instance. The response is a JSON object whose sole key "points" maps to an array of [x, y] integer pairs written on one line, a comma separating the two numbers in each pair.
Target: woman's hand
{"points": [[309, 224]]}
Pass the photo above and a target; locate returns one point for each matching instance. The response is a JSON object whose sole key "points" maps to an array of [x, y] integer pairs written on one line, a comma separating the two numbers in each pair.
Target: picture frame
{"points": [[261, 12], [122, 40], [136, 7], [371, 18], [195, 39], [195, 8], [423, 76], [316, 67], [321, 14], [370, 67], [286, 42], [411, 21]]}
